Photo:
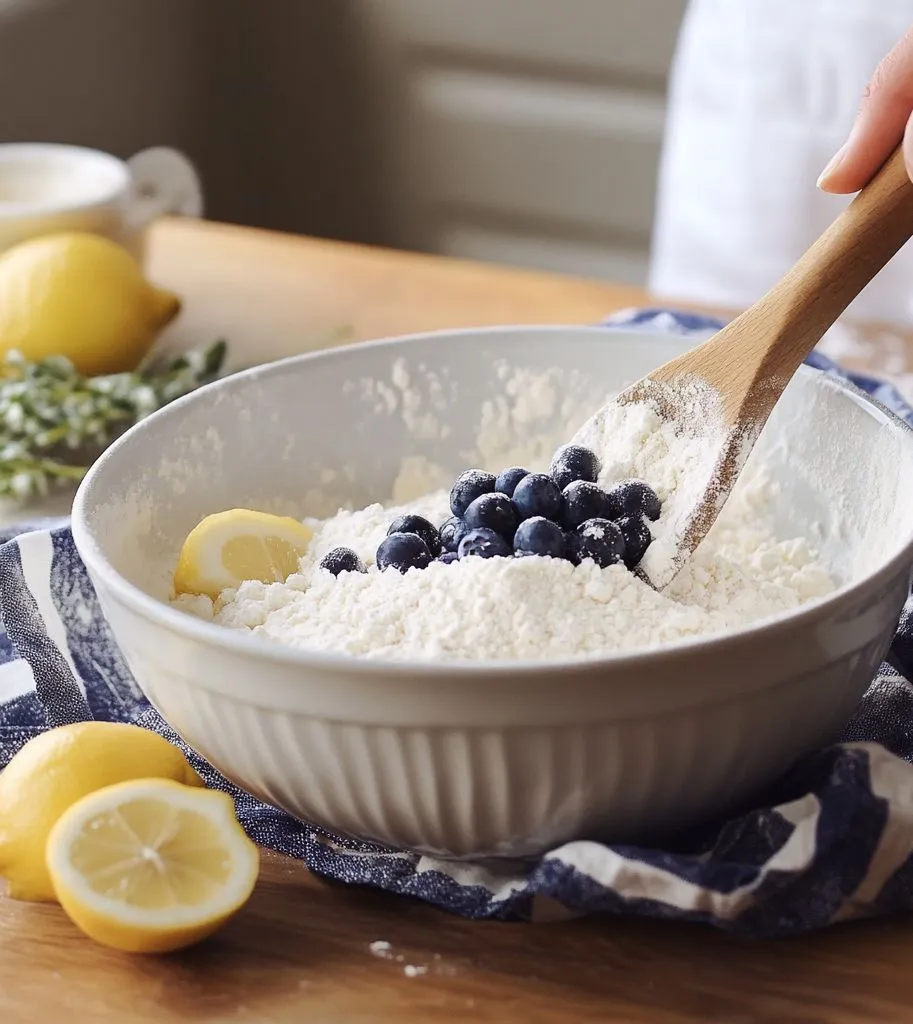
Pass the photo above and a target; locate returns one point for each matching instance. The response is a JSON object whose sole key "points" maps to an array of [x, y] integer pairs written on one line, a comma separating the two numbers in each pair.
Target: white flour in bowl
{"points": [[536, 608]]}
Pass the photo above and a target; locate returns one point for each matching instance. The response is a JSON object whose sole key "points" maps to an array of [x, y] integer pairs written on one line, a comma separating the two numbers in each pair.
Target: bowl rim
{"points": [[247, 643]]}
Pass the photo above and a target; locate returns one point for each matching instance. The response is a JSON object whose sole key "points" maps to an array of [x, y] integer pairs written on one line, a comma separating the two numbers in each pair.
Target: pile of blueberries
{"points": [[559, 514]]}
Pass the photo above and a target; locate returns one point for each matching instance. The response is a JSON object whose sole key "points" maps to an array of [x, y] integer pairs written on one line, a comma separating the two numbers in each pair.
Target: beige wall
{"points": [[266, 96], [111, 73], [523, 131]]}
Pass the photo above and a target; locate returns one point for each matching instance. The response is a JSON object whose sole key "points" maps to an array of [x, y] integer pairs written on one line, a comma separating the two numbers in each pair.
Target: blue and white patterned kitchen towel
{"points": [[756, 874]]}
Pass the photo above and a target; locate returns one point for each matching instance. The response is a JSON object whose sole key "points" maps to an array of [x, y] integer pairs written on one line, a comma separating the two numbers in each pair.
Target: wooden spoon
{"points": [[723, 390]]}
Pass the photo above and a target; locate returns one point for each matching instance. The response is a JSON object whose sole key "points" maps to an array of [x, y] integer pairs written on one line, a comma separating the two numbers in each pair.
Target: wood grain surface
{"points": [[275, 295], [301, 949]]}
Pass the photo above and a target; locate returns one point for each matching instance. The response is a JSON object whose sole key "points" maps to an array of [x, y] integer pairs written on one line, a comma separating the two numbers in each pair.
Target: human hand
{"points": [[885, 117]]}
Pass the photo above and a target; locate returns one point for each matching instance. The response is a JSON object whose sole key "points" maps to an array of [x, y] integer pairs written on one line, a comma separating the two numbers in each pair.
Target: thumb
{"points": [[908, 146], [882, 121]]}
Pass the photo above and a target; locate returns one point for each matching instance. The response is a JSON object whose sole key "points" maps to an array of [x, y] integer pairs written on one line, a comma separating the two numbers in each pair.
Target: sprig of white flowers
{"points": [[54, 422]]}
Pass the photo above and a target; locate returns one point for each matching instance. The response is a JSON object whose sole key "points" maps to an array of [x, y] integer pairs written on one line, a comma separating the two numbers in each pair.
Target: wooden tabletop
{"points": [[273, 295], [302, 949]]}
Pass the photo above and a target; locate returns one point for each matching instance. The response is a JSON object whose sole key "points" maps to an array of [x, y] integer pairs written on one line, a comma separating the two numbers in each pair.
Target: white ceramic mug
{"points": [[48, 187]]}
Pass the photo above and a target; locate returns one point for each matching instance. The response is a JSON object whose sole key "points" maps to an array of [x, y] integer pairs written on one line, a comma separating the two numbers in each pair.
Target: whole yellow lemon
{"points": [[57, 768], [81, 296]]}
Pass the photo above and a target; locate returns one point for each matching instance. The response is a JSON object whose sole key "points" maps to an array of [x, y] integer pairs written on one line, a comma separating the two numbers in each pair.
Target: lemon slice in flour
{"points": [[229, 547], [150, 866]]}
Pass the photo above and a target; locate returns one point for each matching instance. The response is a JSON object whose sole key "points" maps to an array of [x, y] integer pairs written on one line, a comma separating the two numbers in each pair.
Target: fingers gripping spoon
{"points": [[720, 394]]}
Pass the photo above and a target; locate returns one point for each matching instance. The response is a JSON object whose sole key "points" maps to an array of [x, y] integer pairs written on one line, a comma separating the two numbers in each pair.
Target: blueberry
{"points": [[573, 462], [447, 557], [421, 527], [637, 537], [467, 487], [601, 540], [582, 500], [494, 512], [403, 551], [342, 560], [634, 497], [508, 479], [484, 543], [537, 495], [452, 532], [540, 536]]}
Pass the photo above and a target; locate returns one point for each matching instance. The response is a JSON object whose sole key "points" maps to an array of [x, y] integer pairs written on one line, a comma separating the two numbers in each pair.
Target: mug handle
{"points": [[164, 182]]}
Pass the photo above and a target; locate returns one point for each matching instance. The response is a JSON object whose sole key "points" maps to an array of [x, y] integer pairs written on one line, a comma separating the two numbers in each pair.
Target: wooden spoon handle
{"points": [[863, 238]]}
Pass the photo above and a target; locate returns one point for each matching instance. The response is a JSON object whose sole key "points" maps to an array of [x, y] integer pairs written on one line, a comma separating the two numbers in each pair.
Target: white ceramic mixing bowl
{"points": [[495, 759]]}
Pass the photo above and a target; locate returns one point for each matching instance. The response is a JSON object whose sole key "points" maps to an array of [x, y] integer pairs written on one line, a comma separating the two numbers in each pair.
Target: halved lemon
{"points": [[150, 866], [229, 547]]}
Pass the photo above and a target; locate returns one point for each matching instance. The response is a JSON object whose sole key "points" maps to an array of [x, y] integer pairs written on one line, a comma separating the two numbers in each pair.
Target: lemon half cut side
{"points": [[227, 548], [151, 866]]}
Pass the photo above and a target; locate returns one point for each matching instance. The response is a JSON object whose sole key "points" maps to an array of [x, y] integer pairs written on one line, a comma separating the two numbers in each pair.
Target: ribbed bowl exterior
{"points": [[474, 783]]}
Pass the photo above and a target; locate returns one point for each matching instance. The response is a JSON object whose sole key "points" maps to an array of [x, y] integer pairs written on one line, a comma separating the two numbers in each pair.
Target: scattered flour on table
{"points": [[534, 608]]}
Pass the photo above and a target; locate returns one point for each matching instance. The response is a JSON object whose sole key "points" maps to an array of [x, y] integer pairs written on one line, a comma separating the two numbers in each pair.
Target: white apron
{"points": [[762, 94]]}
